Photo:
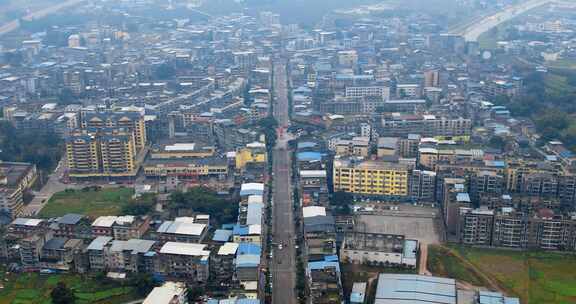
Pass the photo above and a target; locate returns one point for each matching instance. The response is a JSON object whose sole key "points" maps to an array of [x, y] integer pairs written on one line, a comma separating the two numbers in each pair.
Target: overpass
{"points": [[472, 30], [41, 13]]}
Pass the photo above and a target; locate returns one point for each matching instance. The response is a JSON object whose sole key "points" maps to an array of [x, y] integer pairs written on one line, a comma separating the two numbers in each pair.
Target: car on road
{"points": [[280, 246]]}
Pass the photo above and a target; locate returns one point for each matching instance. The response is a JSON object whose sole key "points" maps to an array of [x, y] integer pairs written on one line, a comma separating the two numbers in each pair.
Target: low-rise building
{"points": [[190, 261], [182, 230], [385, 249], [168, 293]]}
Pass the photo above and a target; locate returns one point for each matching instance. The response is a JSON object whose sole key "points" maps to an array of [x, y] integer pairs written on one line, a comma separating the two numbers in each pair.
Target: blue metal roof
{"points": [[309, 156], [228, 226], [248, 260], [248, 249], [489, 297], [248, 301], [240, 230], [463, 197], [222, 235], [306, 144], [321, 265], [331, 258]]}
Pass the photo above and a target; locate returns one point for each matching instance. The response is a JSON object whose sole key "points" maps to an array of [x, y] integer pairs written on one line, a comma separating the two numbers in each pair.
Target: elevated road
{"points": [[15, 24], [478, 27]]}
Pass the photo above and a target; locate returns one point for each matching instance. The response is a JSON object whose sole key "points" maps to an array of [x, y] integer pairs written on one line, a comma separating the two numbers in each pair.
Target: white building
{"points": [[169, 293]]}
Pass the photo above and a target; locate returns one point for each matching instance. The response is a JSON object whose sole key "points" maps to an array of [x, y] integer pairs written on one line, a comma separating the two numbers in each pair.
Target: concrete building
{"points": [[386, 249], [185, 260], [168, 293], [358, 146], [103, 153], [370, 178], [15, 180], [425, 125], [182, 230]]}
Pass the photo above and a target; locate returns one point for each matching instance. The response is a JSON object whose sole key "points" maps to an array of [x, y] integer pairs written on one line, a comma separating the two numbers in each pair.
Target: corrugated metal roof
{"points": [[248, 249], [27, 222], [406, 288], [247, 260], [183, 228], [254, 213], [99, 243], [228, 249], [70, 219], [184, 249], [222, 235]]}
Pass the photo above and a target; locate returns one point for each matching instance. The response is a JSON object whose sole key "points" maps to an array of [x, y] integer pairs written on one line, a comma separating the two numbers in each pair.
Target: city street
{"points": [[283, 264], [53, 185]]}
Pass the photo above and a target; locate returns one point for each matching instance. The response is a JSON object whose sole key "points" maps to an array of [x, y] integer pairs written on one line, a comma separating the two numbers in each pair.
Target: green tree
{"points": [[144, 283], [61, 294], [194, 293], [341, 202], [497, 142], [203, 200]]}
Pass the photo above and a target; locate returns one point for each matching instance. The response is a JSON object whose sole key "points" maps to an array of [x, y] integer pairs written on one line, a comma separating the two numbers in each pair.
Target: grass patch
{"points": [[442, 262], [88, 202], [557, 84], [535, 277], [34, 288], [562, 64]]}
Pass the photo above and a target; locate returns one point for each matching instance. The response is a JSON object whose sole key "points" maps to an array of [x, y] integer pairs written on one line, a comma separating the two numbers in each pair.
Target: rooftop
{"points": [[414, 289], [181, 227], [184, 249]]}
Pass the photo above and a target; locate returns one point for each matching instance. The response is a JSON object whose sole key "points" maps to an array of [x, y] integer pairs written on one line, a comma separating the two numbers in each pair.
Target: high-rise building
{"points": [[99, 153], [431, 78], [133, 121]]}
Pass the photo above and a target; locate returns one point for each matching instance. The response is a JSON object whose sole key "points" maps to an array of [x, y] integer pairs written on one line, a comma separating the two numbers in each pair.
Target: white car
{"points": [[280, 246]]}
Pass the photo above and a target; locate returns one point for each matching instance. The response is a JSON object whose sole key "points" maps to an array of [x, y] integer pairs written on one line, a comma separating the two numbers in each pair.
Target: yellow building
{"points": [[133, 121], [252, 153], [102, 153], [370, 178], [201, 167]]}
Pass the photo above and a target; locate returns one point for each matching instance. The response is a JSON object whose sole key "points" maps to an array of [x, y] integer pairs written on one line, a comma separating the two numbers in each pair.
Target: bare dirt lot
{"points": [[419, 223]]}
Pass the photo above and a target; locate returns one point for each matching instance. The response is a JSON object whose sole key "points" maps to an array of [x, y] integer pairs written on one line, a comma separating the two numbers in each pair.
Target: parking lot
{"points": [[420, 223]]}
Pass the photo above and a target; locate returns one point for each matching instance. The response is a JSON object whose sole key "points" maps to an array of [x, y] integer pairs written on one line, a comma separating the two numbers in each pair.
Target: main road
{"points": [[283, 262], [477, 28]]}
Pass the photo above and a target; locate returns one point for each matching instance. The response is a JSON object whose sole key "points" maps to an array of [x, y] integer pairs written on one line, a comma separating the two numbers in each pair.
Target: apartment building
{"points": [[475, 226], [423, 185], [185, 260], [408, 91], [397, 124], [102, 153], [15, 180], [357, 146], [370, 177], [132, 121], [506, 227], [121, 227], [372, 91]]}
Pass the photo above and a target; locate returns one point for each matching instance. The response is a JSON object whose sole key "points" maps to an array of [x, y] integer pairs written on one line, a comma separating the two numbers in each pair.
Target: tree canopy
{"points": [[61, 294], [203, 200], [40, 147]]}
